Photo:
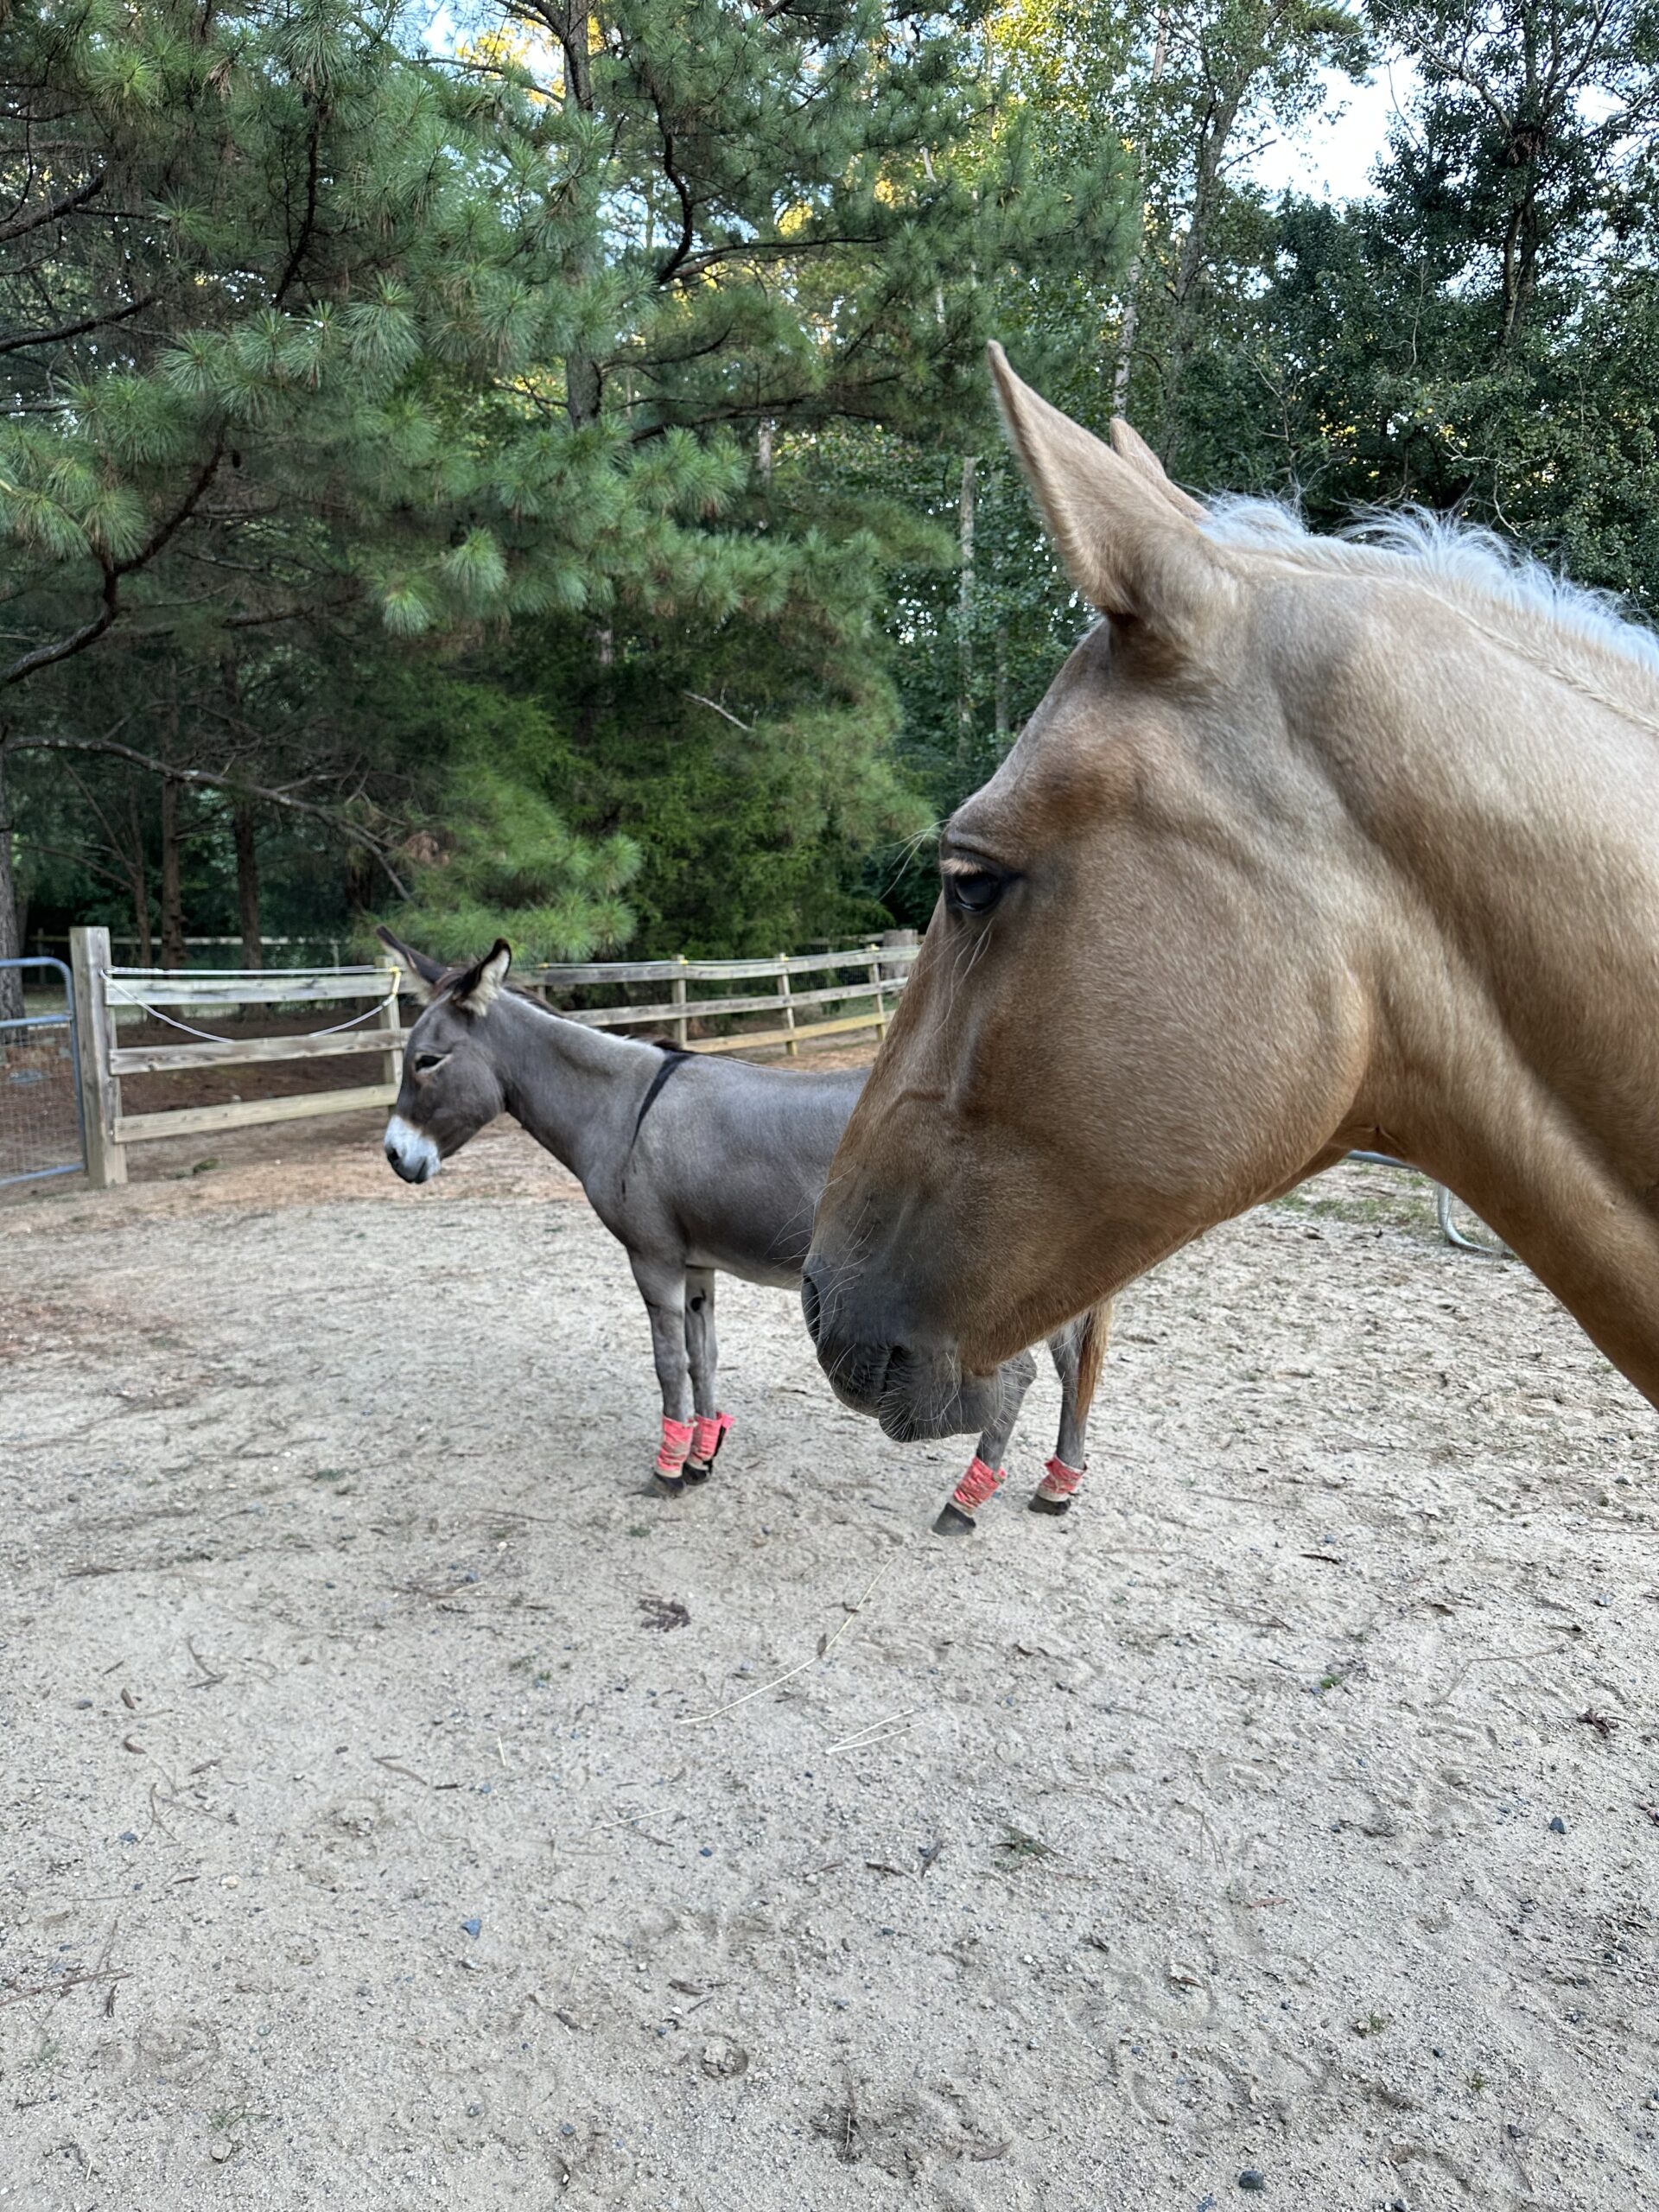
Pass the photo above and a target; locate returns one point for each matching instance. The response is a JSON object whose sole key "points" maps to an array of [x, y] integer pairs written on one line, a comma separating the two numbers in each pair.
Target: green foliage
{"points": [[346, 352], [551, 489], [497, 858], [511, 868]]}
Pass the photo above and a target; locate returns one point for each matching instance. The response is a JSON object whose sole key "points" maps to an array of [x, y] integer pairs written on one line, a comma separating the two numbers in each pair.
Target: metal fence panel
{"points": [[43, 1131]]}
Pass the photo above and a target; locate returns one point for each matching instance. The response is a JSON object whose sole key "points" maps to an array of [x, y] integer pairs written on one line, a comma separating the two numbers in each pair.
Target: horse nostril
{"points": [[809, 1304]]}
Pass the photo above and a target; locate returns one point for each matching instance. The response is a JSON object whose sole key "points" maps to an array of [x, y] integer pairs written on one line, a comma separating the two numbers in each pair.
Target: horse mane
{"points": [[1584, 637]]}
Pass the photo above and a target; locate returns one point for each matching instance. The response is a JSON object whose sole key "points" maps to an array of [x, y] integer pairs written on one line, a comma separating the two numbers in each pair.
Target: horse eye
{"points": [[974, 892], [425, 1062]]}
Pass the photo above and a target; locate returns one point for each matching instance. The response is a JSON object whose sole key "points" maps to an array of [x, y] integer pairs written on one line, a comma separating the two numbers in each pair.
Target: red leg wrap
{"points": [[710, 1435], [1059, 1480], [677, 1442], [979, 1484]]}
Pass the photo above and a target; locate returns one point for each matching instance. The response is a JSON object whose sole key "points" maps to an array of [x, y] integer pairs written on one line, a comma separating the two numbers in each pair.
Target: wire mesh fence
{"points": [[40, 1131]]}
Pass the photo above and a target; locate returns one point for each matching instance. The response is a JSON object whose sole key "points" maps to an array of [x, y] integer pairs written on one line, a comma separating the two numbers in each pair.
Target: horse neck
{"points": [[576, 1090], [1513, 1055]]}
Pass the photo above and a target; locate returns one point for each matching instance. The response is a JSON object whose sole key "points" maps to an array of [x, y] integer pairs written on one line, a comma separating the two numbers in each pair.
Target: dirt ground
{"points": [[400, 1805]]}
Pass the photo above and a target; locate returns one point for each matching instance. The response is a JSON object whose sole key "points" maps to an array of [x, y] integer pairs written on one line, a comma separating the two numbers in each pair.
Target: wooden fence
{"points": [[870, 978]]}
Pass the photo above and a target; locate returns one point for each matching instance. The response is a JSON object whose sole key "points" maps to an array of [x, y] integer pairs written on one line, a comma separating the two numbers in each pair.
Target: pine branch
{"points": [[260, 622], [22, 337], [308, 221], [210, 779], [714, 706], [717, 254], [77, 641], [181, 514], [21, 224], [89, 632], [688, 205]]}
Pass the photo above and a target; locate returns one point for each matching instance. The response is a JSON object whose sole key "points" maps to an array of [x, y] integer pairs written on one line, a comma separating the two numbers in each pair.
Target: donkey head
{"points": [[450, 1088]]}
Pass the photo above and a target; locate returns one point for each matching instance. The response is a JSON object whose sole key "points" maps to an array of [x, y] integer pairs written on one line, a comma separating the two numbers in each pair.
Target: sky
{"points": [[1333, 154]]}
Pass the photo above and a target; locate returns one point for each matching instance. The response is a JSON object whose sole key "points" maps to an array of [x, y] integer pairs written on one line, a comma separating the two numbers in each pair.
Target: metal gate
{"points": [[42, 1130]]}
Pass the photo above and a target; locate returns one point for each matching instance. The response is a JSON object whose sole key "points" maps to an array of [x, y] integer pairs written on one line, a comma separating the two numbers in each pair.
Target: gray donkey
{"points": [[694, 1163]]}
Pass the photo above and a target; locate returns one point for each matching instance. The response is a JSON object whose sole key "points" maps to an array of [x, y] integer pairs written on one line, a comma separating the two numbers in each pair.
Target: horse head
{"points": [[1135, 1009]]}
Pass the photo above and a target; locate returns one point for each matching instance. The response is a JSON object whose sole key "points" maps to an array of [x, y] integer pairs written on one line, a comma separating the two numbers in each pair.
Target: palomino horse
{"points": [[694, 1164], [1313, 845]]}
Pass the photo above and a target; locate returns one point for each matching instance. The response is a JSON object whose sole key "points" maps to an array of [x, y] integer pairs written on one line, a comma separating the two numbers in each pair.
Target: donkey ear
{"points": [[1129, 540], [420, 972], [477, 990]]}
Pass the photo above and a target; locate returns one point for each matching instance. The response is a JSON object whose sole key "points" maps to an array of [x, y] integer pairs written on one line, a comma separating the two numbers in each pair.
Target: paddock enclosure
{"points": [[402, 1807], [292, 1027]]}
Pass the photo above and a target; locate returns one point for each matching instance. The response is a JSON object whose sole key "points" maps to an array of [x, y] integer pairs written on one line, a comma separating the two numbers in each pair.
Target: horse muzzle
{"points": [[414, 1156], [914, 1385]]}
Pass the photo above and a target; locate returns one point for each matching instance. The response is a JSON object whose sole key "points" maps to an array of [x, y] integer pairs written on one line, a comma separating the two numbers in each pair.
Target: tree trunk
{"points": [[172, 879], [247, 885], [1129, 329], [11, 982], [571, 24], [965, 616], [1001, 688], [140, 879], [1191, 262], [1520, 245]]}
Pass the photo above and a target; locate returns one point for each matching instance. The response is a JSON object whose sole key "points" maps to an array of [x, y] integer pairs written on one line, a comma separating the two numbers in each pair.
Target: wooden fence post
{"points": [[876, 985], [100, 1091], [392, 1063], [791, 1048], [677, 992]]}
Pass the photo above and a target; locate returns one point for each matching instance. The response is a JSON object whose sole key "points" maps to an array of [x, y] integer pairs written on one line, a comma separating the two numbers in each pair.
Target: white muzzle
{"points": [[414, 1156]]}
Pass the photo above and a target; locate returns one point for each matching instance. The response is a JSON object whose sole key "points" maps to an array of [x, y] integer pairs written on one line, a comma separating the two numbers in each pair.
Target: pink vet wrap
{"points": [[979, 1483], [677, 1442], [1059, 1480], [710, 1435]]}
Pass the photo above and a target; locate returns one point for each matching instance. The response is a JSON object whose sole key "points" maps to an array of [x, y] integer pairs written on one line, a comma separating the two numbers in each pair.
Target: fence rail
{"points": [[869, 979], [875, 975], [103, 991]]}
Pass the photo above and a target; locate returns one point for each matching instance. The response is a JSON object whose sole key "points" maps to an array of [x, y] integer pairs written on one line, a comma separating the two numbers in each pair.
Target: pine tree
{"points": [[314, 331]]}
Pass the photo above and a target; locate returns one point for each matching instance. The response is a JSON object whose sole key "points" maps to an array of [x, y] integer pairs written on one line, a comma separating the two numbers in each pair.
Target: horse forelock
{"points": [[1585, 637]]}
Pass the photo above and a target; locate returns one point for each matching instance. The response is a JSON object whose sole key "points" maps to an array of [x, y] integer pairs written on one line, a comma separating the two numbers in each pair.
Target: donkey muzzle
{"points": [[415, 1157]]}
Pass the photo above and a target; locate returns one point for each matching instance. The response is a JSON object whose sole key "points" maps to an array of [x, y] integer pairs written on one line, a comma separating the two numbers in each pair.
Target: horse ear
{"points": [[422, 973], [1129, 445], [478, 990], [1128, 537]]}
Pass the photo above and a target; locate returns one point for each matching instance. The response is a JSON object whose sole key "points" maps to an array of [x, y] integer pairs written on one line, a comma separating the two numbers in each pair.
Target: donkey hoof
{"points": [[697, 1474], [953, 1521], [1051, 1505], [667, 1485]]}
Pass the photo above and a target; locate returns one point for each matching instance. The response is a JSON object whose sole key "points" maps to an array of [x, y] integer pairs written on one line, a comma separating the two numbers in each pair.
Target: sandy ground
{"points": [[374, 1837]]}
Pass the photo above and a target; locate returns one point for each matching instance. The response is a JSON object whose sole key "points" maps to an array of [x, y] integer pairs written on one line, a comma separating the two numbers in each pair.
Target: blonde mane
{"points": [[1583, 638]]}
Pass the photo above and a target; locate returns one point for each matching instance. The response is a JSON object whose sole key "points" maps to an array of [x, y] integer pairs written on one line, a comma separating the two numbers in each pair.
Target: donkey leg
{"points": [[710, 1424], [662, 1285], [1078, 1350], [986, 1472]]}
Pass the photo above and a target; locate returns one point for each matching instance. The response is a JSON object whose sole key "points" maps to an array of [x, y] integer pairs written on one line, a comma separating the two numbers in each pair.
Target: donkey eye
{"points": [[973, 891], [425, 1062]]}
